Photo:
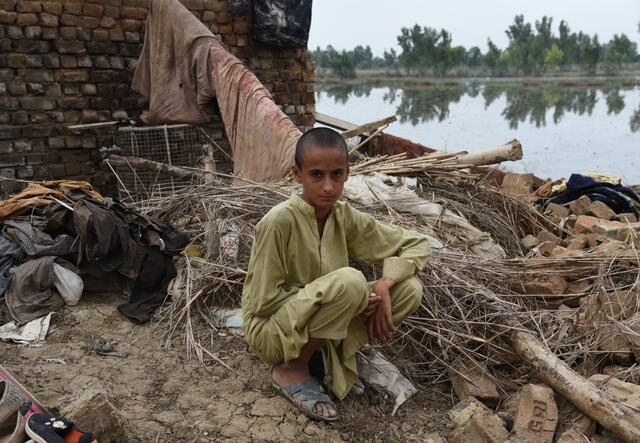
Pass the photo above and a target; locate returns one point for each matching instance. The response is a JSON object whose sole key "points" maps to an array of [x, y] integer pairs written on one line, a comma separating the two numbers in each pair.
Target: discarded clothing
{"points": [[37, 243], [238, 8], [603, 177], [11, 255], [150, 289], [139, 247], [173, 69], [292, 293], [180, 80], [33, 332], [284, 23], [617, 197], [40, 195], [34, 289]]}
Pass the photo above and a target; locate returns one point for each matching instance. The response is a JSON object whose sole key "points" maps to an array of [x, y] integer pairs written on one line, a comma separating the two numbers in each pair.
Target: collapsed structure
{"points": [[548, 292]]}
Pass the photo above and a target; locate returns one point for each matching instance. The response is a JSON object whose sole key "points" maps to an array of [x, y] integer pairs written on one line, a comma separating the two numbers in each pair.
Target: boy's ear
{"points": [[346, 171], [297, 174]]}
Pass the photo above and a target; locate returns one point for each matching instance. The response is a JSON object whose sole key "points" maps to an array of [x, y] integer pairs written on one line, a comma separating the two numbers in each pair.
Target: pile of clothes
{"points": [[606, 188], [61, 238]]}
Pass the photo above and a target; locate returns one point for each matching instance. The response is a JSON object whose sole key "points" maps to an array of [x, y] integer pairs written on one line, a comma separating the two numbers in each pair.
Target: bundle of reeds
{"points": [[469, 306]]}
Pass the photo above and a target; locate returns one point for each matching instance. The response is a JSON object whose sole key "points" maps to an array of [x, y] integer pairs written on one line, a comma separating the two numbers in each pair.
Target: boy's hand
{"points": [[380, 323], [374, 300]]}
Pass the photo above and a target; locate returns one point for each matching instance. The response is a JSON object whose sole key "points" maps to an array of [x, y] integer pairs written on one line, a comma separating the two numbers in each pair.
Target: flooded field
{"points": [[563, 129]]}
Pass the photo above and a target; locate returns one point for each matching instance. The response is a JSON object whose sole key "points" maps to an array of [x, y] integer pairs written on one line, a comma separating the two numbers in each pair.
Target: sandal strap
{"points": [[308, 393]]}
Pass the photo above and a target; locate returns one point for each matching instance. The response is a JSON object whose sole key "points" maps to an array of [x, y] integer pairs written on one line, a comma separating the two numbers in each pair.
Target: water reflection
{"points": [[523, 103]]}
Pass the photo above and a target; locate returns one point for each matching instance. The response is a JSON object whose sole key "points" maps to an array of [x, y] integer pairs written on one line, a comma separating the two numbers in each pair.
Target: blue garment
{"points": [[617, 197]]}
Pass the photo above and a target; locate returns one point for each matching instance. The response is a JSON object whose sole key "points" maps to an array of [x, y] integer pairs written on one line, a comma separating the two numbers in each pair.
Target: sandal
{"points": [[305, 395], [10, 399], [12, 429]]}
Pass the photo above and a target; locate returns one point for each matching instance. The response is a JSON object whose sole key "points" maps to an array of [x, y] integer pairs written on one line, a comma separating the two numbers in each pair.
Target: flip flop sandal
{"points": [[44, 428], [10, 399], [12, 429], [103, 347], [305, 395]]}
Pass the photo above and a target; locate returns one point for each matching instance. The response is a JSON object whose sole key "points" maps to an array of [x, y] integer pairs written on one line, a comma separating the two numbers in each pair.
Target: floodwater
{"points": [[563, 129]]}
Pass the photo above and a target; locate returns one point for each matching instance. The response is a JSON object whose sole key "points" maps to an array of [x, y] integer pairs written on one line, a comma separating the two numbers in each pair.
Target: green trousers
{"points": [[329, 308]]}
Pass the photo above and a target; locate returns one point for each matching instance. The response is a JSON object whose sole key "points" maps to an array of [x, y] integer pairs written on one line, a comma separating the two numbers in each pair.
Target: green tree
{"points": [[342, 65], [495, 59], [473, 57], [589, 51], [621, 50], [554, 56], [362, 57]]}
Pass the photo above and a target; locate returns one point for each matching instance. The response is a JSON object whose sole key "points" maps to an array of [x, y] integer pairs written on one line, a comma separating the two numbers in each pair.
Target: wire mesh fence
{"points": [[175, 145]]}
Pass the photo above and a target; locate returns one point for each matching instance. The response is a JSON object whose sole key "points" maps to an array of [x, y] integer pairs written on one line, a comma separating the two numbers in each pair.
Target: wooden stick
{"points": [[510, 151], [368, 127], [333, 122], [378, 131], [92, 125], [214, 143], [174, 171], [616, 417]]}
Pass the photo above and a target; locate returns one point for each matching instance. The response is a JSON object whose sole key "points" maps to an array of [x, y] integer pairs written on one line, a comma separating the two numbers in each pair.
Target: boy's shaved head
{"points": [[322, 138]]}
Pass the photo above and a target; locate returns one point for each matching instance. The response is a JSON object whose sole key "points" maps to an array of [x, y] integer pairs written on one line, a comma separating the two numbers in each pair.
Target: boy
{"points": [[300, 293]]}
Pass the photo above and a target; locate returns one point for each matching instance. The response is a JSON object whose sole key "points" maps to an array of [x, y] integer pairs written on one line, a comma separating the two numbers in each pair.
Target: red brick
{"points": [[131, 25], [28, 6], [49, 20], [26, 20], [72, 7], [90, 22], [135, 13], [92, 9], [545, 285], [7, 18], [52, 7], [68, 20]]}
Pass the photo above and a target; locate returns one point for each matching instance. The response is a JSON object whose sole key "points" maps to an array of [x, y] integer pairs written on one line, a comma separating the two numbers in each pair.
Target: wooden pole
{"points": [[143, 163], [510, 151], [616, 417], [367, 127]]}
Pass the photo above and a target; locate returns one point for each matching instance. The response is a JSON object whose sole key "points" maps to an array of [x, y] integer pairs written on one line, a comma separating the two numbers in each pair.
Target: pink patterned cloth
{"points": [[183, 67]]}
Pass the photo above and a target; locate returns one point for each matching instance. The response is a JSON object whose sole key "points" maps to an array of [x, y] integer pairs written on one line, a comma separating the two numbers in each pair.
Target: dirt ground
{"points": [[164, 398]]}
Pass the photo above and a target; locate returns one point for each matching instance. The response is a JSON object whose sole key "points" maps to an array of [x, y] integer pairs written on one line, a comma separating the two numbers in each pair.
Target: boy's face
{"points": [[322, 174]]}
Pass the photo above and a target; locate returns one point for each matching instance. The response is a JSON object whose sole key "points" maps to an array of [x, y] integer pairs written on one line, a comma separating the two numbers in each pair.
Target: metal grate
{"points": [[176, 145]]}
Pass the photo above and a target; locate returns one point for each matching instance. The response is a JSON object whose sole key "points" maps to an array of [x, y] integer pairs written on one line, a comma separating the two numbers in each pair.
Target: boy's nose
{"points": [[327, 186]]}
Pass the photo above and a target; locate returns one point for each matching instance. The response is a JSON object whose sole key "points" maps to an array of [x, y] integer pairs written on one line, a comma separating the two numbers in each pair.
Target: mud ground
{"points": [[165, 398]]}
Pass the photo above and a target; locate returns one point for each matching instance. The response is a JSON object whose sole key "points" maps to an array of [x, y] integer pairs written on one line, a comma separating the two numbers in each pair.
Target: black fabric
{"points": [[282, 23], [117, 238], [617, 197], [238, 8], [150, 289], [11, 255]]}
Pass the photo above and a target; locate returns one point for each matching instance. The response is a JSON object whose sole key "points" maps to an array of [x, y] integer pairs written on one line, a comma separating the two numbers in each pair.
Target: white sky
{"points": [[347, 23]]}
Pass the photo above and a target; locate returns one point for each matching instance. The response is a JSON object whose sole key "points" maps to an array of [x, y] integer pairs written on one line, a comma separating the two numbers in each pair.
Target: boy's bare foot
{"points": [[287, 375], [358, 387]]}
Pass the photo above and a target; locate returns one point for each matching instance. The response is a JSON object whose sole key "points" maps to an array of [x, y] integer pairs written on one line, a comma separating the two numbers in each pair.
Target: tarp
{"points": [[283, 23], [183, 66]]}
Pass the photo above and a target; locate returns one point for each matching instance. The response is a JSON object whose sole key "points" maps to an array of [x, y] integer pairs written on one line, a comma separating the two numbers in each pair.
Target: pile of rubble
{"points": [[532, 414]]}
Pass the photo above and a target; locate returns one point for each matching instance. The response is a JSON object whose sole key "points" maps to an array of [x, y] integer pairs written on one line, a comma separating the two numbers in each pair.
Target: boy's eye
{"points": [[315, 173], [337, 173]]}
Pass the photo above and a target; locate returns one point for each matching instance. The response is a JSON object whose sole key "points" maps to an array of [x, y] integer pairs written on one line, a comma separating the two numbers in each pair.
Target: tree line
{"points": [[532, 49]]}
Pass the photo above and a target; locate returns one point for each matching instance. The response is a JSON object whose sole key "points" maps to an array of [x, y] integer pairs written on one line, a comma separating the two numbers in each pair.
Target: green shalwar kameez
{"points": [[300, 285]]}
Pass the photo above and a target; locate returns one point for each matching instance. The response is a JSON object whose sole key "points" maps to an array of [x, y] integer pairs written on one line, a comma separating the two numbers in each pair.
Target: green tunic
{"points": [[293, 271]]}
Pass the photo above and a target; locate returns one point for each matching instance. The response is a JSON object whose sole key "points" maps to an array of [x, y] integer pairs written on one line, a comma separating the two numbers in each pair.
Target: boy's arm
{"points": [[266, 273], [402, 253]]}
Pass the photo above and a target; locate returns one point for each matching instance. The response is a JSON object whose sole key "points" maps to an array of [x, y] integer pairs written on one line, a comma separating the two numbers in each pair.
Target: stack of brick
{"points": [[69, 62]]}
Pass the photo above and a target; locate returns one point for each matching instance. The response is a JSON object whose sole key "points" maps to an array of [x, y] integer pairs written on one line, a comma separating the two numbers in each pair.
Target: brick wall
{"points": [[70, 62]]}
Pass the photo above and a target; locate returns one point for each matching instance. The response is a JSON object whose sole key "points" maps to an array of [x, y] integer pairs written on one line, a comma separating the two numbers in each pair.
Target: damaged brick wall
{"points": [[70, 62]]}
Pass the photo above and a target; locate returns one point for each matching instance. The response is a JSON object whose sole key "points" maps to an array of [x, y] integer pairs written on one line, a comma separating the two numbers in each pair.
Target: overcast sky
{"points": [[347, 23]]}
